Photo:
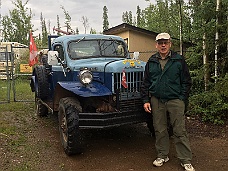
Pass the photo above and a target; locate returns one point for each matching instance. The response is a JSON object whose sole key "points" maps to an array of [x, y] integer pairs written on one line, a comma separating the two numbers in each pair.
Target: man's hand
{"points": [[147, 107]]}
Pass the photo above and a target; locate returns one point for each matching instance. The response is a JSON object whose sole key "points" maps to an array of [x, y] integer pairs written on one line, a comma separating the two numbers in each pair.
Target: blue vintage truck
{"points": [[91, 82]]}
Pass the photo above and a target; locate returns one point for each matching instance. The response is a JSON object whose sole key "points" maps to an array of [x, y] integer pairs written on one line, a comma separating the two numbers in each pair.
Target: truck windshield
{"points": [[96, 48]]}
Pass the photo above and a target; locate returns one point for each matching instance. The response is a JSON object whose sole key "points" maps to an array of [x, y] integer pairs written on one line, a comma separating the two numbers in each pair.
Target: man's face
{"points": [[163, 46]]}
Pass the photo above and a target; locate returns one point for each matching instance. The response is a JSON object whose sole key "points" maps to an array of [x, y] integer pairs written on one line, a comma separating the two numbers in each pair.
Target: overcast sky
{"points": [[92, 9]]}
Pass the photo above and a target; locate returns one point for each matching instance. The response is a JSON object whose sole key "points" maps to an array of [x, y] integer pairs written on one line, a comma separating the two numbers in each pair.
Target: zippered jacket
{"points": [[173, 82]]}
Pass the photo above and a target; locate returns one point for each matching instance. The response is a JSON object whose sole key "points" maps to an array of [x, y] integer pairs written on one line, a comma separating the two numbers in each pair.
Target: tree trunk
{"points": [[216, 42], [205, 63], [180, 14]]}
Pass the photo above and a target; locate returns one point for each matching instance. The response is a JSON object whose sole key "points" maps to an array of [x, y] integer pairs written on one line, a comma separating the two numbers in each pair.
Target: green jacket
{"points": [[173, 82]]}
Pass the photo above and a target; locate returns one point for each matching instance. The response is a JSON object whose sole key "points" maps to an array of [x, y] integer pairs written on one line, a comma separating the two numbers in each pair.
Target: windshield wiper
{"points": [[80, 40]]}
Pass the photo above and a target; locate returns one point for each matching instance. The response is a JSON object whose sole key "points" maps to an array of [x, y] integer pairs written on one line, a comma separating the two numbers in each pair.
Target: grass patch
{"points": [[17, 118], [15, 90]]}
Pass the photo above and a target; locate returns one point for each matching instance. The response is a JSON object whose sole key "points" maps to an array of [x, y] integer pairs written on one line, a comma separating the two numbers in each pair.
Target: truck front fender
{"points": [[91, 90]]}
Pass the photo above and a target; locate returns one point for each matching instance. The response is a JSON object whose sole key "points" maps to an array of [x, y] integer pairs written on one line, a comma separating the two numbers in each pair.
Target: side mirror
{"points": [[136, 55], [53, 57]]}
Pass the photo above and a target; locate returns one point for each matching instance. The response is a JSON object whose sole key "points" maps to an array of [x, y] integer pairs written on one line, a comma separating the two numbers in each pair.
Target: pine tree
{"points": [[138, 17], [93, 31], [125, 17], [44, 39], [44, 34], [67, 19], [77, 31], [58, 25], [105, 18]]}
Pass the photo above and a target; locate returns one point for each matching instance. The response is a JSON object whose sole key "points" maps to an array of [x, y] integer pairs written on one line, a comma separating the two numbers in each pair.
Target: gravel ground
{"points": [[31, 143]]}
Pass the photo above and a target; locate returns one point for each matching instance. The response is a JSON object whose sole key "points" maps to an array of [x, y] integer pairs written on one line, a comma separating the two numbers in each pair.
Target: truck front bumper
{"points": [[107, 120]]}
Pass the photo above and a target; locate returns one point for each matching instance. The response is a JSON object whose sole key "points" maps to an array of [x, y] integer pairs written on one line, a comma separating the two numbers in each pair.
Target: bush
{"points": [[211, 105]]}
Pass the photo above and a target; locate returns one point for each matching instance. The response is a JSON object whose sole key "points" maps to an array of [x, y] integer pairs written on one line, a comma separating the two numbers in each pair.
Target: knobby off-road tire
{"points": [[42, 85], [41, 90], [70, 133]]}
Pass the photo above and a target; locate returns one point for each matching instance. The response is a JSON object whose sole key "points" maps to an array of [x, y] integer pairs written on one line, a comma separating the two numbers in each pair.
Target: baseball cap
{"points": [[160, 36]]}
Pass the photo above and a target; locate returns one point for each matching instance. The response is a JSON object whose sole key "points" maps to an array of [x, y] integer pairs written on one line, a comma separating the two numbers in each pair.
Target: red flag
{"points": [[124, 80], [33, 52]]}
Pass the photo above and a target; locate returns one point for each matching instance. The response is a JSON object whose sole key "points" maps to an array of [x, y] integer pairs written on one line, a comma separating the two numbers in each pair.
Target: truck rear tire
{"points": [[41, 88], [70, 133], [42, 85]]}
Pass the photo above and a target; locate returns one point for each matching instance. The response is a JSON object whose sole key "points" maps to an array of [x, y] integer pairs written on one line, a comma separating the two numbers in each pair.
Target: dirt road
{"points": [[36, 146]]}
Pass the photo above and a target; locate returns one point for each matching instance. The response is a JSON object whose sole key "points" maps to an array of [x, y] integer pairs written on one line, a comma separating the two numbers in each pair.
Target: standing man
{"points": [[165, 88]]}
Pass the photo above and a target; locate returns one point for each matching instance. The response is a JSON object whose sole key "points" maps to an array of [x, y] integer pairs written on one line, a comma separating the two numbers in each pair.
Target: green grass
{"points": [[4, 86], [17, 118], [19, 148], [22, 90], [15, 90]]}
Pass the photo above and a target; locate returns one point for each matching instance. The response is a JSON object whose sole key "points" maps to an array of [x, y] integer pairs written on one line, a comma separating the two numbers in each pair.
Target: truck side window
{"points": [[59, 48]]}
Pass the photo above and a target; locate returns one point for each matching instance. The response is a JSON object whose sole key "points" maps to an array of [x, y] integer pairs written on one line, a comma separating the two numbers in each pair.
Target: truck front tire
{"points": [[70, 133]]}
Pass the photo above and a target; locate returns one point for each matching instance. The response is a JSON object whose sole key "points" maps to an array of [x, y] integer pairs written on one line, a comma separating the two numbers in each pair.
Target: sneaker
{"points": [[159, 161], [188, 167]]}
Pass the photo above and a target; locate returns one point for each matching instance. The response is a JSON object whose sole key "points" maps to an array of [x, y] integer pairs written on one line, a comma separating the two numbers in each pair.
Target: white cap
{"points": [[160, 36]]}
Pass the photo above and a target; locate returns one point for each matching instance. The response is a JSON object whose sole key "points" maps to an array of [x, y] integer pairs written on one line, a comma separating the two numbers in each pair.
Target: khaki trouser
{"points": [[175, 108]]}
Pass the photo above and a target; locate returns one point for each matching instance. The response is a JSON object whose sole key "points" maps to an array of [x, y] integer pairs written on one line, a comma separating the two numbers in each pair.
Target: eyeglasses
{"points": [[163, 42]]}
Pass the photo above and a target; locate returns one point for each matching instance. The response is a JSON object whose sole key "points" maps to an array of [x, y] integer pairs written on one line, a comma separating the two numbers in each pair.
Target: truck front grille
{"points": [[134, 81], [130, 94]]}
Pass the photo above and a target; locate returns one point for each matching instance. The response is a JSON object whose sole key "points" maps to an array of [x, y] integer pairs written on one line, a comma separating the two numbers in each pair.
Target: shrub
{"points": [[211, 105]]}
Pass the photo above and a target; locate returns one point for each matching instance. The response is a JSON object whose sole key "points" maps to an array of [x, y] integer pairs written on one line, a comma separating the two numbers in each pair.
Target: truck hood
{"points": [[107, 64]]}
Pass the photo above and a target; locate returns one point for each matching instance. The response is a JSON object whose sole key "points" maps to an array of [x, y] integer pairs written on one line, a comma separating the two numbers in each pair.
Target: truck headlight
{"points": [[85, 76]]}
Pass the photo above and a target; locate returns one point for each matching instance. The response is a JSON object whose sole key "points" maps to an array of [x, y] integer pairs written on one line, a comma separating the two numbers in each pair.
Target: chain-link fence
{"points": [[22, 74], [15, 74], [6, 72]]}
